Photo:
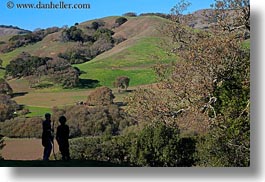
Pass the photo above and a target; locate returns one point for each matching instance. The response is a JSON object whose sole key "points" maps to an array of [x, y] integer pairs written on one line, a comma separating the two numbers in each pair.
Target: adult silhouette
{"points": [[47, 138], [62, 136]]}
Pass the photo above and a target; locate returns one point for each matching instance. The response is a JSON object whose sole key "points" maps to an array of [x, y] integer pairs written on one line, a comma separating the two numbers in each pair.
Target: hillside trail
{"points": [[24, 149]]}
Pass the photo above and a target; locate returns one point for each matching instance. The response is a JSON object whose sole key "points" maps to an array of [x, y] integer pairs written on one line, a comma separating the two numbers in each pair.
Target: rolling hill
{"points": [[133, 57]]}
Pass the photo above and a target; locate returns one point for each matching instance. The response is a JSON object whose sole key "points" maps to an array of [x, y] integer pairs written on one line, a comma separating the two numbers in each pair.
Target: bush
{"points": [[157, 145], [161, 145], [130, 14], [100, 96], [122, 82], [121, 20], [7, 107], [94, 121], [5, 87], [22, 128]]}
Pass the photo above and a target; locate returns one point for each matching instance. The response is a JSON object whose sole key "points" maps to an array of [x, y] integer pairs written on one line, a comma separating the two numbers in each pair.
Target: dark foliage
{"points": [[25, 65], [100, 96], [73, 34], [94, 121], [121, 20], [130, 14], [156, 145], [57, 70], [122, 82], [29, 38], [166, 16], [7, 107], [5, 87]]}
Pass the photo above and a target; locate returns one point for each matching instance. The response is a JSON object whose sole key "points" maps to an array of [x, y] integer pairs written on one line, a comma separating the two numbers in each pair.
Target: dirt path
{"points": [[23, 149]]}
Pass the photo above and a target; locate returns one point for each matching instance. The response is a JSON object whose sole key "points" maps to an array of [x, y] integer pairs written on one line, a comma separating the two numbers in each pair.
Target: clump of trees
{"points": [[28, 38], [130, 14], [94, 121], [95, 41], [74, 34], [100, 96], [166, 16], [35, 68], [157, 144], [122, 82]]}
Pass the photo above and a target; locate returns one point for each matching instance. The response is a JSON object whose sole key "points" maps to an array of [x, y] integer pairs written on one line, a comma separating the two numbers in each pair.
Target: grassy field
{"points": [[2, 73], [136, 62], [37, 111]]}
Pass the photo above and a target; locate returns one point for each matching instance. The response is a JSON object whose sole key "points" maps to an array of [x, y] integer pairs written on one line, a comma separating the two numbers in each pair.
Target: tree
{"points": [[130, 14], [7, 107], [122, 82], [161, 145], [121, 20], [5, 87], [207, 91], [100, 96]]}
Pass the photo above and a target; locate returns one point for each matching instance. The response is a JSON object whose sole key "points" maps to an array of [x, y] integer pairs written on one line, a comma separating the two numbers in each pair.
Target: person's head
{"points": [[62, 120], [48, 116]]}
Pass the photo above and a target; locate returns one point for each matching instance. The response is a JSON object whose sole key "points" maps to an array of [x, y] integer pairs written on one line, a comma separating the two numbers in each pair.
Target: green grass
{"points": [[37, 111], [136, 62], [72, 163], [2, 73], [106, 77]]}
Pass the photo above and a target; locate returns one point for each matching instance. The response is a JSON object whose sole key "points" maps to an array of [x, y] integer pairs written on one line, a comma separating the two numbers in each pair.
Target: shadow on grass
{"points": [[71, 163], [19, 94], [88, 83]]}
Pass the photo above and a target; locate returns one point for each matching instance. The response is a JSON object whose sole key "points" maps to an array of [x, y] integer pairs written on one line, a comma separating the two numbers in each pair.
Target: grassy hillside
{"points": [[135, 58], [136, 62]]}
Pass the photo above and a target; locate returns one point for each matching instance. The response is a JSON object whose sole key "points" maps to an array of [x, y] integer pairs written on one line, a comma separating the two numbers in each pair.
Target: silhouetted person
{"points": [[47, 138], [62, 136]]}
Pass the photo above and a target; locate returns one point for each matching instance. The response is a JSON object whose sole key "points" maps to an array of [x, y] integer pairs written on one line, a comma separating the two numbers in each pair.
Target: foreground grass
{"points": [[72, 163]]}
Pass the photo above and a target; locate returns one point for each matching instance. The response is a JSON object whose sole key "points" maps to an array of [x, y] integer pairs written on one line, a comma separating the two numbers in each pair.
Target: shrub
{"points": [[161, 145], [5, 87], [7, 107], [130, 14], [121, 20], [22, 128], [157, 145], [94, 121], [122, 82], [100, 96]]}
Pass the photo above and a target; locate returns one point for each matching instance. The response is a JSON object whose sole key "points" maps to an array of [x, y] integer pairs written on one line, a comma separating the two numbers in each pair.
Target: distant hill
{"points": [[11, 30]]}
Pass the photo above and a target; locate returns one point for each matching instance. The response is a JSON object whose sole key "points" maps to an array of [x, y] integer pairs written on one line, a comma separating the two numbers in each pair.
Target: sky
{"points": [[31, 19]]}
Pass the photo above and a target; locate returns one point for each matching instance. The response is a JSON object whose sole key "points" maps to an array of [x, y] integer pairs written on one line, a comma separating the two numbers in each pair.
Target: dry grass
{"points": [[24, 149]]}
